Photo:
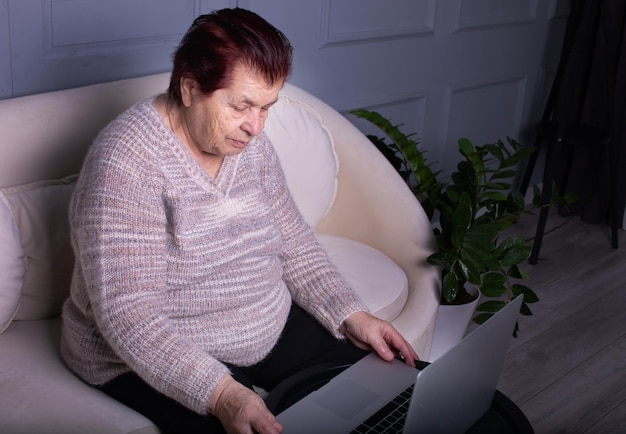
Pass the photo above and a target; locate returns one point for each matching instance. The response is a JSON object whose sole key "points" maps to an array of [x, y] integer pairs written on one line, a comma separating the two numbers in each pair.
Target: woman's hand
{"points": [[370, 333], [241, 410]]}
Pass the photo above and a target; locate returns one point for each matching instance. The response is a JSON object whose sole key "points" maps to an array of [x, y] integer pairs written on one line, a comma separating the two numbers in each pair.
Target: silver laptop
{"points": [[447, 396]]}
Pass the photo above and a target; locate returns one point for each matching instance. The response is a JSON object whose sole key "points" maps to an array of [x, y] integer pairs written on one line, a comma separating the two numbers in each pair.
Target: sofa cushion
{"points": [[380, 282], [38, 256], [307, 155], [38, 394], [12, 265]]}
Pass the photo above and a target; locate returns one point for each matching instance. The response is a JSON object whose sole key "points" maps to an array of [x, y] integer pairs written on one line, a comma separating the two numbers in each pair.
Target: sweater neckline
{"points": [[225, 176]]}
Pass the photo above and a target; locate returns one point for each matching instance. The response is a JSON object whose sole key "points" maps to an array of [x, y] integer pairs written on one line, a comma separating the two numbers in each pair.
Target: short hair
{"points": [[218, 42]]}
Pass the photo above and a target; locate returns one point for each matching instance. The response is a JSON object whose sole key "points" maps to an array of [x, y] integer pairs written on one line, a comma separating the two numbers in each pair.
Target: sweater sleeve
{"points": [[313, 280], [119, 226]]}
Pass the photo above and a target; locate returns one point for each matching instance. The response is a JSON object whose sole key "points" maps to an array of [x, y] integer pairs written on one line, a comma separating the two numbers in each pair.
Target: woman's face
{"points": [[224, 122]]}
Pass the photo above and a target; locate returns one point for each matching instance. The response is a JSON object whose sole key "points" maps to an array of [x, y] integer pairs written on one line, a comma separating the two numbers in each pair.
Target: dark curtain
{"points": [[589, 96]]}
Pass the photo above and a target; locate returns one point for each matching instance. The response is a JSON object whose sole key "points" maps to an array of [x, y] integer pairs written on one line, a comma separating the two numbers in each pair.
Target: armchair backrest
{"points": [[307, 153]]}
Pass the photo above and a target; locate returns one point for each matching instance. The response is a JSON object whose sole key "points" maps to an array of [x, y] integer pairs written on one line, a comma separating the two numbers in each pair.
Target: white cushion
{"points": [[380, 282], [38, 256], [12, 266], [307, 155], [38, 394]]}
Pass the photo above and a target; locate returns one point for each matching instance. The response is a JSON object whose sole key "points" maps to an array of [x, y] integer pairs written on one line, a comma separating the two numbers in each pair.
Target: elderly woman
{"points": [[195, 275]]}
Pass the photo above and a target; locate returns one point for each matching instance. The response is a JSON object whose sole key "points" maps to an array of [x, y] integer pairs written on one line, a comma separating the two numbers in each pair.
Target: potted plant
{"points": [[471, 214]]}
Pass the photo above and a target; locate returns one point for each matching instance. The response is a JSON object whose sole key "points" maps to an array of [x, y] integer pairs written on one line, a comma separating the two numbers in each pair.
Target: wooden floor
{"points": [[567, 368]]}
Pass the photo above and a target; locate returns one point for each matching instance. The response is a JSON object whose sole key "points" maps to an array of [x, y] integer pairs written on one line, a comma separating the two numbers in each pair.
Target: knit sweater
{"points": [[177, 272]]}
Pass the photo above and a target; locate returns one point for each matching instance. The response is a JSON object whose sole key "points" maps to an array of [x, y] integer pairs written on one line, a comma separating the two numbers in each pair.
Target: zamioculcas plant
{"points": [[471, 214]]}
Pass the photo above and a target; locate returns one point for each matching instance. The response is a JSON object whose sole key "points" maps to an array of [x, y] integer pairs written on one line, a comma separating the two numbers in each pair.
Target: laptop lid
{"points": [[450, 394], [456, 390]]}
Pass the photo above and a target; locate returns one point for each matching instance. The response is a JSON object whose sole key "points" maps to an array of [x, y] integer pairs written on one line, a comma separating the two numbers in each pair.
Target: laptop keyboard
{"points": [[390, 418]]}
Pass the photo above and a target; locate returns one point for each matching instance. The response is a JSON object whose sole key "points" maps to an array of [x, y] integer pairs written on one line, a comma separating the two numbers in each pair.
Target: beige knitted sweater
{"points": [[176, 271]]}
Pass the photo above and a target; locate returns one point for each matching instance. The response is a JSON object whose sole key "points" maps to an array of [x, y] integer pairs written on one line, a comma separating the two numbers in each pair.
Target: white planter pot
{"points": [[451, 324]]}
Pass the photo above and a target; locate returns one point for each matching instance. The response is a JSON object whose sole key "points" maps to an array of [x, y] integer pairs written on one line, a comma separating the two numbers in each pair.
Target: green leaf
{"points": [[497, 185], [450, 287], [469, 270], [480, 239], [465, 178], [516, 272], [525, 310], [493, 284], [482, 317], [516, 254], [436, 258], [504, 174], [494, 195], [491, 306], [453, 194], [462, 219], [497, 151], [529, 294], [508, 243], [465, 146]]}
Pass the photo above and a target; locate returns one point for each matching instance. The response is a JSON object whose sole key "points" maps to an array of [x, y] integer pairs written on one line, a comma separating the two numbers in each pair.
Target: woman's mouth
{"points": [[239, 143]]}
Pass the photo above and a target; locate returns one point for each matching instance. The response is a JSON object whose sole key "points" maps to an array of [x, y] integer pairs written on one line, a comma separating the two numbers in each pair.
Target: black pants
{"points": [[304, 343]]}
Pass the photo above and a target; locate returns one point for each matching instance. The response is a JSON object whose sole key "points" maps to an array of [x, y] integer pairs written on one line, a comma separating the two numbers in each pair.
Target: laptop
{"points": [[447, 396]]}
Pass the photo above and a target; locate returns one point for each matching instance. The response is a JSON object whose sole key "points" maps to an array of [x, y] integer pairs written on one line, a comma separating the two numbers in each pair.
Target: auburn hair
{"points": [[218, 42]]}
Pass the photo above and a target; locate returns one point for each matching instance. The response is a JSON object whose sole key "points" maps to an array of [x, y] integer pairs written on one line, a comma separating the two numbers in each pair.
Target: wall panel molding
{"points": [[474, 14], [349, 21], [483, 110], [56, 44], [114, 23], [408, 111], [374, 102], [6, 76]]}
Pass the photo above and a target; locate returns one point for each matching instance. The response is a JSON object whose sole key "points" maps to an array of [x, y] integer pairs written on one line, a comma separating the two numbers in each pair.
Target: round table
{"points": [[503, 416]]}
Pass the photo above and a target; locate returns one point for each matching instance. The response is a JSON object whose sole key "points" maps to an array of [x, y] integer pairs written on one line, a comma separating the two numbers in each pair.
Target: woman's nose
{"points": [[254, 123]]}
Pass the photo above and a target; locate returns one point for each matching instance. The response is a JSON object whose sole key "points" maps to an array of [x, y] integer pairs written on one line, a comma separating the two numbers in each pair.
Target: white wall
{"points": [[444, 69]]}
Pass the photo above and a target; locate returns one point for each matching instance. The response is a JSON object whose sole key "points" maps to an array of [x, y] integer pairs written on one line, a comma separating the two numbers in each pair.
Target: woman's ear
{"points": [[188, 88]]}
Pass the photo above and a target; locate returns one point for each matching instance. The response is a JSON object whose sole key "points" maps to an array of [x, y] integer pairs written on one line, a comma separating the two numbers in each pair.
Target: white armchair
{"points": [[366, 205], [365, 216]]}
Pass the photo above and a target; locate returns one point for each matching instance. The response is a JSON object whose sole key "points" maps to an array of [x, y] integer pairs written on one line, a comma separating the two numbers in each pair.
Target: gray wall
{"points": [[444, 69]]}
